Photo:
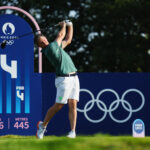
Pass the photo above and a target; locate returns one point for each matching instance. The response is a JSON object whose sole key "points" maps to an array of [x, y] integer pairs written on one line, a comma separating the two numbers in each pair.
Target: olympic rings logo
{"points": [[10, 42], [113, 106]]}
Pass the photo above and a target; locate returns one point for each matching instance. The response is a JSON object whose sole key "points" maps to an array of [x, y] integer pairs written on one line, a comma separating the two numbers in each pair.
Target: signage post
{"points": [[138, 128], [20, 90]]}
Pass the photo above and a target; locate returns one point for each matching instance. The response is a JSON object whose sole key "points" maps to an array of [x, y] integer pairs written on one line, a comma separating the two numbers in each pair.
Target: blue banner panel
{"points": [[109, 103], [20, 87]]}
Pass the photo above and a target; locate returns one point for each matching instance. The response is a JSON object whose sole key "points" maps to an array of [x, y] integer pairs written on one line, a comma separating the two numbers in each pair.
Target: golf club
{"points": [[3, 44]]}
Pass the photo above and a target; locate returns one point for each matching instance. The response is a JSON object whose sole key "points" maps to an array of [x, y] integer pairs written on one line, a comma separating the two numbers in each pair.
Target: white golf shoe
{"points": [[40, 130], [71, 134]]}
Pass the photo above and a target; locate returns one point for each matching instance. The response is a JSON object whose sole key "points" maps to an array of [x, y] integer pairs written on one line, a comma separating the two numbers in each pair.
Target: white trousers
{"points": [[67, 88]]}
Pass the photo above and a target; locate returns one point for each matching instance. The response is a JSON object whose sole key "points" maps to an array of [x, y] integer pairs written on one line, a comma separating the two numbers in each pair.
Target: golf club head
{"points": [[3, 44]]}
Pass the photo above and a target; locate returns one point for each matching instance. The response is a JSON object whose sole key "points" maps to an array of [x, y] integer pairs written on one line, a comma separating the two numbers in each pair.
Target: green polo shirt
{"points": [[61, 61]]}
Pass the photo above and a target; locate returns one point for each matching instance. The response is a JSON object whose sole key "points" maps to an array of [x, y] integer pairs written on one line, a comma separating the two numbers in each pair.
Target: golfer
{"points": [[66, 82]]}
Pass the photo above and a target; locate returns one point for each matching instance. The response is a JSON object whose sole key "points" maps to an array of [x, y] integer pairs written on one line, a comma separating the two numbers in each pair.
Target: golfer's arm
{"points": [[68, 38], [61, 34]]}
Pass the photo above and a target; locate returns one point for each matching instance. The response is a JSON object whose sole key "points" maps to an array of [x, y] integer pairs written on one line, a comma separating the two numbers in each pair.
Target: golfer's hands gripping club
{"points": [[67, 22]]}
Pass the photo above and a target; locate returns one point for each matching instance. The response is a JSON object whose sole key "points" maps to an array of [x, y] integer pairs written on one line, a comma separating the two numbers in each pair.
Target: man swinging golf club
{"points": [[66, 82]]}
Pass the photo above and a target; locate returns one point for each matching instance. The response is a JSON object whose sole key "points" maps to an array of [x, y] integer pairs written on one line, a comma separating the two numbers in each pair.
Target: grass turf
{"points": [[95, 142]]}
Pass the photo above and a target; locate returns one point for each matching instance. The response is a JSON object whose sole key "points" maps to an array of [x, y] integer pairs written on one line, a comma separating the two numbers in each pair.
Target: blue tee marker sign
{"points": [[20, 97], [138, 128]]}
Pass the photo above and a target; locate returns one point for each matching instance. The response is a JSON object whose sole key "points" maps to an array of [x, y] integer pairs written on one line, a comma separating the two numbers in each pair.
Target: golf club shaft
{"points": [[26, 34], [3, 44]]}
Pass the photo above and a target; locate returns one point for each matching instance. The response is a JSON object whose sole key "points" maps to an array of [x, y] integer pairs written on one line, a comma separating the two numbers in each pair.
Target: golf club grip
{"points": [[56, 25]]}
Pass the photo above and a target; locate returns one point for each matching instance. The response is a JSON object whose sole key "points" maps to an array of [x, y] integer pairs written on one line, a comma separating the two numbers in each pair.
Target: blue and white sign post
{"points": [[138, 128], [20, 97]]}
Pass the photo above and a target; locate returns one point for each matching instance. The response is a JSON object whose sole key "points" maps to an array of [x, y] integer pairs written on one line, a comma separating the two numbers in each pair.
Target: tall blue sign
{"points": [[20, 92]]}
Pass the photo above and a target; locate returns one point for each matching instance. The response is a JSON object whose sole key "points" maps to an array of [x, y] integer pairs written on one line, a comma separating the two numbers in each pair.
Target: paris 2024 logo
{"points": [[8, 30]]}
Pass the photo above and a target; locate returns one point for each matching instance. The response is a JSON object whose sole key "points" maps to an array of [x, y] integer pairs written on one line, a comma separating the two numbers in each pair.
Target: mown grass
{"points": [[95, 142]]}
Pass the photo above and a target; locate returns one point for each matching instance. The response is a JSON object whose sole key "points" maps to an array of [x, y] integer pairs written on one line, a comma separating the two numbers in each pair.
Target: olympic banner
{"points": [[20, 90], [109, 103]]}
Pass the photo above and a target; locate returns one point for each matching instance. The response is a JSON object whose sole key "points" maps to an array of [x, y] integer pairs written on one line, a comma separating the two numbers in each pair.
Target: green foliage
{"points": [[109, 35]]}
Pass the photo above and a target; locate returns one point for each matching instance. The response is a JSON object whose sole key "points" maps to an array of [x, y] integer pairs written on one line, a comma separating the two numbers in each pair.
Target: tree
{"points": [[109, 35]]}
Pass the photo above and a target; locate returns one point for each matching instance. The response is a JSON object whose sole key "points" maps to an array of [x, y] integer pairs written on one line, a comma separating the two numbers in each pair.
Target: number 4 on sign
{"points": [[20, 95], [10, 69]]}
